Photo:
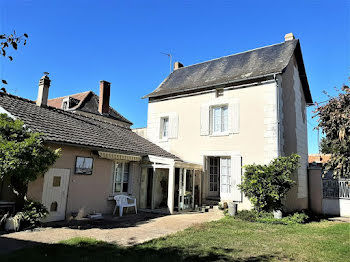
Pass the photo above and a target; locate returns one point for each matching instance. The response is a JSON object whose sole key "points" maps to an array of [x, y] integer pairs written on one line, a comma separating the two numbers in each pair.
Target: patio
{"points": [[128, 230]]}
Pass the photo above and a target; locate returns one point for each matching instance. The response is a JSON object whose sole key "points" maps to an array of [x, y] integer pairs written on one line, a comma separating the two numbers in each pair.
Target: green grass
{"points": [[224, 240]]}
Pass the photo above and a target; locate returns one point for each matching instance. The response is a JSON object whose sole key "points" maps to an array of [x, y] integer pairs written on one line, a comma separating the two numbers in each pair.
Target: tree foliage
{"points": [[23, 155], [334, 121], [267, 185], [10, 41]]}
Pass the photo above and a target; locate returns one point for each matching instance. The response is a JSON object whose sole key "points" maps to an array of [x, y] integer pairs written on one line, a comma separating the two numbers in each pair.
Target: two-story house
{"points": [[232, 111]]}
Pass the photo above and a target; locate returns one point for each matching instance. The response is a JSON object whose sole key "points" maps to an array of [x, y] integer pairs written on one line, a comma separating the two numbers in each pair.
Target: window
{"points": [[219, 119], [83, 165], [65, 105], [121, 177], [164, 121], [56, 181]]}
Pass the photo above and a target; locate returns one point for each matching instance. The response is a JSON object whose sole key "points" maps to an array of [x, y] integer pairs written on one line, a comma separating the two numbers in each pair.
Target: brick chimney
{"points": [[103, 103], [177, 65], [289, 37], [43, 91]]}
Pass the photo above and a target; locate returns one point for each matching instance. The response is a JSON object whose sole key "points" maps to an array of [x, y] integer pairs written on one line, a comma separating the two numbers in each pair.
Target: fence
{"points": [[334, 188]]}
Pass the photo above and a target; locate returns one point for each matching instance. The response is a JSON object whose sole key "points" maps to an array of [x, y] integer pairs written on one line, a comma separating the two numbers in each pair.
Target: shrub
{"points": [[267, 185], [247, 215], [32, 213], [268, 218]]}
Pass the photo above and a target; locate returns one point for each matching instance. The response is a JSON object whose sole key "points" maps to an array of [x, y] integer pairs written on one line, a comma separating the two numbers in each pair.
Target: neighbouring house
{"points": [[88, 103], [328, 196], [100, 158], [232, 111]]}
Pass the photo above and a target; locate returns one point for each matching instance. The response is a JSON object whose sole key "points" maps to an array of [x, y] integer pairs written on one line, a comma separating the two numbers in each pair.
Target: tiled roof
{"points": [[88, 102], [249, 65], [319, 158], [65, 127]]}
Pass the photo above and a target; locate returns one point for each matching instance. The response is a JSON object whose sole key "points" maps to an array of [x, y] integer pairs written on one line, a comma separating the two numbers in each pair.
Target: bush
{"points": [[268, 218], [267, 185], [32, 213]]}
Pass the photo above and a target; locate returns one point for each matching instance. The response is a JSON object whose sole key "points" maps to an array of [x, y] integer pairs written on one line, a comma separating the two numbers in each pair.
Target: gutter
{"points": [[278, 116], [215, 85]]}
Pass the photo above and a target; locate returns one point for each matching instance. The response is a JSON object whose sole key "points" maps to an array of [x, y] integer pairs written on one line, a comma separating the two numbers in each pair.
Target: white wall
{"points": [[257, 138]]}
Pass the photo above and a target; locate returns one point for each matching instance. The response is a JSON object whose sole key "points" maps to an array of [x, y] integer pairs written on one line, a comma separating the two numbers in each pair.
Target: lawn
{"points": [[225, 240]]}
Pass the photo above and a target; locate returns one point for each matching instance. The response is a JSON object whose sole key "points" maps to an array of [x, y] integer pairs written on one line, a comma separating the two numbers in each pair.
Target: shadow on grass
{"points": [[91, 250]]}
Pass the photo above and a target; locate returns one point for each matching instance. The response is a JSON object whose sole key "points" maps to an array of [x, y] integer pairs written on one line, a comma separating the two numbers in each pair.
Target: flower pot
{"points": [[277, 214]]}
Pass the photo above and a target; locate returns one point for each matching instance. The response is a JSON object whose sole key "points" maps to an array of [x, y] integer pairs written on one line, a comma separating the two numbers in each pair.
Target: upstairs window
{"points": [[219, 119], [121, 178], [164, 122]]}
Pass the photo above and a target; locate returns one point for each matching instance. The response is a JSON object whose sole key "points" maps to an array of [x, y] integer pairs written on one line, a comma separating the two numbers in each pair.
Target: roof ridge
{"points": [[59, 110], [247, 51], [70, 95]]}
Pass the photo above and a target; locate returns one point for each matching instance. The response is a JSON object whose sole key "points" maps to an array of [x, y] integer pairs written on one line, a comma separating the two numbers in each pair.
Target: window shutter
{"points": [[236, 169], [130, 182], [204, 128], [159, 127], [173, 125], [234, 115]]}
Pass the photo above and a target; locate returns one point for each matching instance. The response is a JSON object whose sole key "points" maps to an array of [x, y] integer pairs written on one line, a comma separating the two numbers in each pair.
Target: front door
{"points": [[225, 178], [55, 193], [214, 176]]}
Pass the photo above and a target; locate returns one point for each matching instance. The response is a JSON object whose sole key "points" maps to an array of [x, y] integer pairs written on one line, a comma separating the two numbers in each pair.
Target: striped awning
{"points": [[120, 157]]}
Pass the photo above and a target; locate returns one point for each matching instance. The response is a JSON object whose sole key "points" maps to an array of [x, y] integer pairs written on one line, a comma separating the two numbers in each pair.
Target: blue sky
{"points": [[82, 42]]}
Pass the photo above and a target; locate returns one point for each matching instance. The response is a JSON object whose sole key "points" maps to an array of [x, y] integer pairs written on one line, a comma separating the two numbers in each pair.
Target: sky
{"points": [[82, 42]]}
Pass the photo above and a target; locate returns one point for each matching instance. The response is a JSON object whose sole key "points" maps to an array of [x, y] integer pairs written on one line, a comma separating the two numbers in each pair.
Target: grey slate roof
{"points": [[239, 67], [65, 127]]}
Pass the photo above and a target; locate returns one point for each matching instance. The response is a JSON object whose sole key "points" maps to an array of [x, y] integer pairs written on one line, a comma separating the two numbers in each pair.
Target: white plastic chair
{"points": [[122, 201]]}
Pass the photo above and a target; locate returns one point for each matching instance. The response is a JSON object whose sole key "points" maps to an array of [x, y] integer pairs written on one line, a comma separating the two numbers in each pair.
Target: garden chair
{"points": [[123, 201]]}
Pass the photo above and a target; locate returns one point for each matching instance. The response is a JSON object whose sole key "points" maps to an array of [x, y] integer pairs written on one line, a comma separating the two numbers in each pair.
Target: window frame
{"points": [[90, 172], [163, 120], [115, 174], [222, 119]]}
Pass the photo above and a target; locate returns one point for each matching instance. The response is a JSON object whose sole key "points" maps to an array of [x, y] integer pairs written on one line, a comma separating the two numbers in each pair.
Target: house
{"points": [[232, 111], [100, 155], [87, 103]]}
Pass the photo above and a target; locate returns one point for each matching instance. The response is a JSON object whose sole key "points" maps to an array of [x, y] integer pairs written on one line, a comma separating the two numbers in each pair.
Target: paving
{"points": [[138, 230], [340, 219]]}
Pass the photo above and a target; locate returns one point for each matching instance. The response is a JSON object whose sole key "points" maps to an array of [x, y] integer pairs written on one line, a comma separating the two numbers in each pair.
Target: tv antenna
{"points": [[170, 57]]}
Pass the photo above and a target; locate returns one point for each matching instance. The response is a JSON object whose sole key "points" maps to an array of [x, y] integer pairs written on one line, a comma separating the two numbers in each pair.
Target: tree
{"points": [[10, 41], [23, 155], [334, 121], [325, 146], [267, 185]]}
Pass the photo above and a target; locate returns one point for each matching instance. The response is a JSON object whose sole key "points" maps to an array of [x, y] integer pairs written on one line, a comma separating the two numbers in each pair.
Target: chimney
{"points": [[103, 103], [43, 92], [289, 37], [177, 65]]}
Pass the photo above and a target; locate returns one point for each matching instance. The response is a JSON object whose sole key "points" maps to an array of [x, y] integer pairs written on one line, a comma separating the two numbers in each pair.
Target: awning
{"points": [[118, 157]]}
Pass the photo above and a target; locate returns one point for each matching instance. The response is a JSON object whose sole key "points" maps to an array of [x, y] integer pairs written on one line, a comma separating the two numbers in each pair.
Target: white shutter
{"points": [[130, 182], [236, 169], [235, 116], [173, 125], [204, 128], [158, 127]]}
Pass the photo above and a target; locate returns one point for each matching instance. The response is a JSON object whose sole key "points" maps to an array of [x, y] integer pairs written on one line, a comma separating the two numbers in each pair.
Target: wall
{"points": [[87, 193], [141, 131], [256, 140], [315, 189], [294, 132]]}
